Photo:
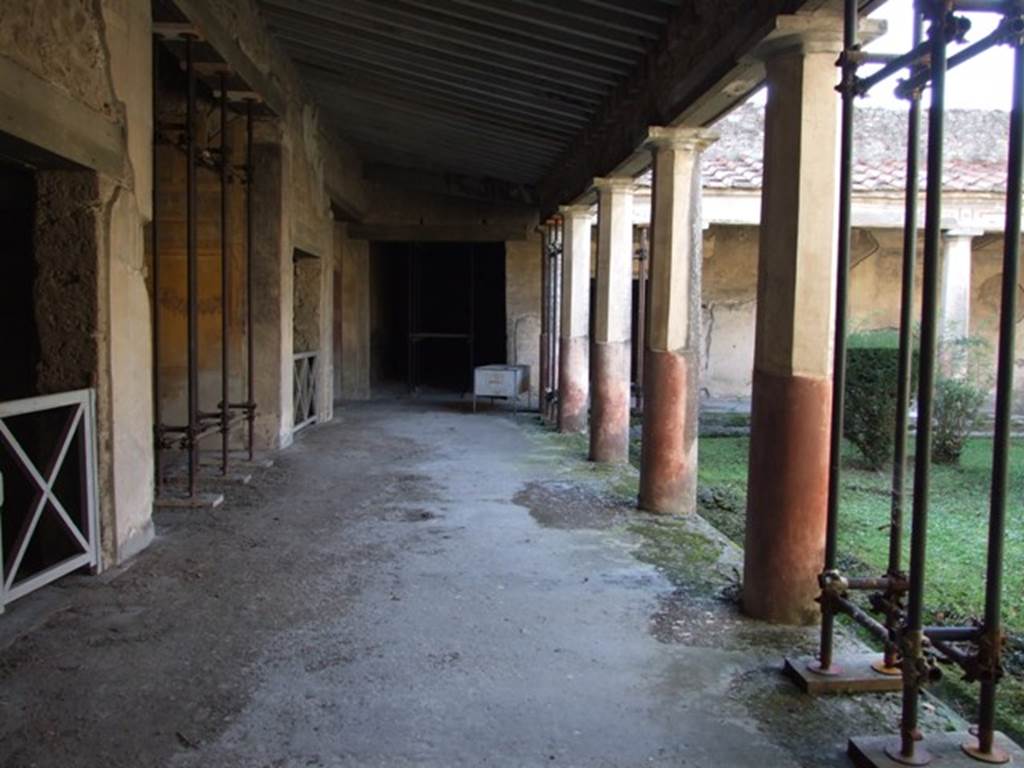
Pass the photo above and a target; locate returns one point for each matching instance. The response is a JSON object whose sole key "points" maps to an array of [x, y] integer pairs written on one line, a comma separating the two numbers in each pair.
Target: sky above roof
{"points": [[982, 83]]}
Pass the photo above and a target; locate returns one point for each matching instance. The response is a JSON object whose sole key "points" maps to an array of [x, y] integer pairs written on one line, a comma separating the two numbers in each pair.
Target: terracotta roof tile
{"points": [[975, 151]]}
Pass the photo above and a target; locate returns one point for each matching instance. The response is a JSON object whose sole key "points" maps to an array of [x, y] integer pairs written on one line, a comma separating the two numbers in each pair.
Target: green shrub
{"points": [[960, 391], [957, 403], [872, 372]]}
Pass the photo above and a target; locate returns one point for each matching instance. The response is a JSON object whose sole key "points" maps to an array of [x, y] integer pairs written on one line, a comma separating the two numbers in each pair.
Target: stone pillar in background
{"points": [[956, 282], [668, 471], [272, 296], [787, 490], [609, 360], [574, 361]]}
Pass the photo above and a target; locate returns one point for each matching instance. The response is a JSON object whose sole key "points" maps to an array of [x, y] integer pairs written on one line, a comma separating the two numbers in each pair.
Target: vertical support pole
{"points": [[472, 314], [411, 272], [556, 319], [908, 751], [906, 343], [549, 400], [192, 276], [158, 475], [641, 314], [544, 317], [250, 342], [225, 282], [991, 646], [846, 87]]}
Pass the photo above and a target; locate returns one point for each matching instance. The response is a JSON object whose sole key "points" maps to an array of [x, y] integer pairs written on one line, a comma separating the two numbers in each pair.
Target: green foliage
{"points": [[872, 378], [956, 403], [957, 538], [959, 395]]}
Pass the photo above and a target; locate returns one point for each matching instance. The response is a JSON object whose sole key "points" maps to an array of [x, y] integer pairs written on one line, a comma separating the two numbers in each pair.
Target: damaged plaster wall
{"points": [[90, 64], [730, 295]]}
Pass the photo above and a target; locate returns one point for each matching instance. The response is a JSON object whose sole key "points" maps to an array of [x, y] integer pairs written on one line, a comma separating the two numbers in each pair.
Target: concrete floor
{"points": [[413, 585]]}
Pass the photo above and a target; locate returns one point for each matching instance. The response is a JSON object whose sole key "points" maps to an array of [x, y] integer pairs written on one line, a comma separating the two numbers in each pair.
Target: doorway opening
{"points": [[437, 312], [48, 302]]}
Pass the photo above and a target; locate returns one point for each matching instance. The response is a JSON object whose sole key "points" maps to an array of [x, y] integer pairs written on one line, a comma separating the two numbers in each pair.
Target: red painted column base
{"points": [[609, 426], [573, 384], [668, 469], [787, 496]]}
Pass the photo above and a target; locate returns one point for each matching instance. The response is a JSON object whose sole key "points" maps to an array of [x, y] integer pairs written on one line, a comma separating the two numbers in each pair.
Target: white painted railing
{"points": [[306, 374], [53, 428]]}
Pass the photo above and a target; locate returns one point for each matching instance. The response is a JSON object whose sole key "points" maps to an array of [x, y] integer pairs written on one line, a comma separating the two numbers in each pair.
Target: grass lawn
{"points": [[957, 538]]}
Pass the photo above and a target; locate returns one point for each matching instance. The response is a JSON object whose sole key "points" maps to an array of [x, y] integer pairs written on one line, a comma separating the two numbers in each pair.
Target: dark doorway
{"points": [[437, 311], [20, 345]]}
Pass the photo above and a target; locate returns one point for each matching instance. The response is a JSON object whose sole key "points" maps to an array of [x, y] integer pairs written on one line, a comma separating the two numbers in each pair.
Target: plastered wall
{"points": [[87, 66], [730, 295]]}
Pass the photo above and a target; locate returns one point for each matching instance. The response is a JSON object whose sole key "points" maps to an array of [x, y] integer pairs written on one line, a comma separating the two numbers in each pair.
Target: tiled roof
{"points": [[975, 150]]}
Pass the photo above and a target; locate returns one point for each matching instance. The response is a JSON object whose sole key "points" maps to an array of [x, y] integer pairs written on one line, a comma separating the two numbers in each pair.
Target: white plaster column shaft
{"points": [[610, 353], [668, 471], [956, 282], [574, 360]]}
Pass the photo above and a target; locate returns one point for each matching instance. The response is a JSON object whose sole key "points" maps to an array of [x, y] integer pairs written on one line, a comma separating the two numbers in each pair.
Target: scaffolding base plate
{"points": [[946, 750], [183, 501], [854, 674]]}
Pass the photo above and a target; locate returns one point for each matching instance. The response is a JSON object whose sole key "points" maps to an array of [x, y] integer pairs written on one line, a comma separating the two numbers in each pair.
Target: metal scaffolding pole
{"points": [[158, 474], [192, 432], [556, 317], [915, 671], [643, 260], [848, 92], [545, 298], [990, 645], [893, 614], [250, 372], [225, 282]]}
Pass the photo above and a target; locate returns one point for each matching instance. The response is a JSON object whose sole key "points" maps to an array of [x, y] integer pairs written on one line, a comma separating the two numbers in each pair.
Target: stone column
{"points": [[668, 471], [609, 361], [787, 489], [956, 282], [574, 361], [272, 272]]}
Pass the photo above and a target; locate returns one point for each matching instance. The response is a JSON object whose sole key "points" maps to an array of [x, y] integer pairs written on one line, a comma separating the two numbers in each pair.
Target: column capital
{"points": [[951, 233], [816, 32], [576, 211], [614, 184], [683, 138]]}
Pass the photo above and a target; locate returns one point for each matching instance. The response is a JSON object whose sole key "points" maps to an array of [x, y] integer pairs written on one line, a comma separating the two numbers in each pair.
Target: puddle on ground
{"points": [[569, 506]]}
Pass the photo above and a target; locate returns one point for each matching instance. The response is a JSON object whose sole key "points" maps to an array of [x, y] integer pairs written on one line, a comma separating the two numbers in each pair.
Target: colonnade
{"points": [[791, 405]]}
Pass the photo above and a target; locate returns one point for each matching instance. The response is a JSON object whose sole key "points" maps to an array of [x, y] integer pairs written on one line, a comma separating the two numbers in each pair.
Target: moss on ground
{"points": [[686, 556]]}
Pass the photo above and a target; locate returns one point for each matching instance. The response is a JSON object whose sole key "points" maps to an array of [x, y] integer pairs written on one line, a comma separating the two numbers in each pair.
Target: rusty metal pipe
{"points": [[225, 281], [192, 272], [913, 629], [250, 342], [863, 618], [847, 89], [953, 634], [906, 339], [1004, 407]]}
